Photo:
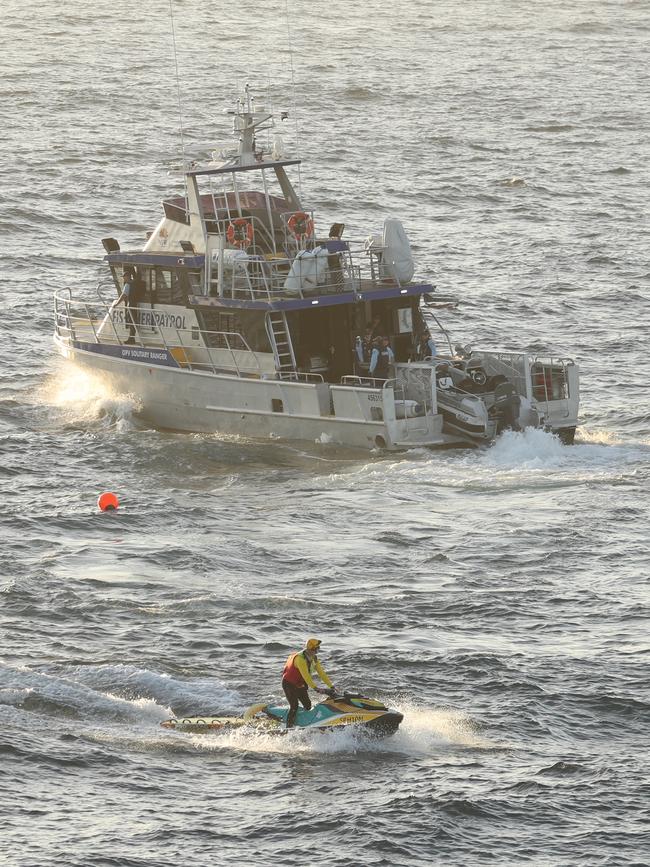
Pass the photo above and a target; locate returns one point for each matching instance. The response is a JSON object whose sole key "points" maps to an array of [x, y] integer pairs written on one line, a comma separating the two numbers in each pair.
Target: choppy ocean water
{"points": [[499, 598]]}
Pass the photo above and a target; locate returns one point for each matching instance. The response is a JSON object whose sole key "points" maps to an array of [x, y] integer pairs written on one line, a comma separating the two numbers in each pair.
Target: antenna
{"points": [[293, 93], [178, 92]]}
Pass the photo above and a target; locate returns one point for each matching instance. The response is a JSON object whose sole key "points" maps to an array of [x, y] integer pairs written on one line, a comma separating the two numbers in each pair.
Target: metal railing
{"points": [[78, 320], [292, 269], [513, 365], [259, 278], [401, 393], [299, 376], [549, 376], [365, 381]]}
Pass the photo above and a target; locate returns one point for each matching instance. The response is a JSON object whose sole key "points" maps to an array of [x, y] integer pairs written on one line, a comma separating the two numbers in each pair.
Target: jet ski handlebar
{"points": [[334, 693]]}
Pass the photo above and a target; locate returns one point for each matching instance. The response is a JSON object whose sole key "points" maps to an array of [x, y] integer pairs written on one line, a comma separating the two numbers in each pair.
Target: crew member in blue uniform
{"points": [[426, 347], [381, 359], [128, 299]]}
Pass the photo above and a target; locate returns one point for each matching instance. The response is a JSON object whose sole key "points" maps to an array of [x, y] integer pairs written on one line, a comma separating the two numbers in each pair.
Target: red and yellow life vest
{"points": [[291, 673]]}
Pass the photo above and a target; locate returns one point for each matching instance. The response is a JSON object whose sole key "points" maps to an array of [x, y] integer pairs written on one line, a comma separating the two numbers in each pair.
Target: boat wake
{"points": [[534, 449], [529, 448], [124, 705]]}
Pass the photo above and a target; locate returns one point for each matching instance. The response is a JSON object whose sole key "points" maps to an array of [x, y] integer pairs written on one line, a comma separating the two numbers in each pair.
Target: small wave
{"points": [[598, 437], [595, 28], [360, 93], [15, 697], [561, 768], [466, 807], [601, 260], [127, 682], [111, 692], [551, 127], [512, 182], [55, 696]]}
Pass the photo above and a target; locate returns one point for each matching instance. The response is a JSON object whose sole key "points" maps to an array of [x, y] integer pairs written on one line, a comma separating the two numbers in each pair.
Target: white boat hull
{"points": [[188, 400]]}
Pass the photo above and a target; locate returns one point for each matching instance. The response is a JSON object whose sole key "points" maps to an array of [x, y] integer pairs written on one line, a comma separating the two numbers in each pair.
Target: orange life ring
{"points": [[301, 225], [240, 233]]}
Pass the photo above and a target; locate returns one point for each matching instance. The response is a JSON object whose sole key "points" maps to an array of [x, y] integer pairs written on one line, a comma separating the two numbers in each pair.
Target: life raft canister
{"points": [[301, 225], [240, 233]]}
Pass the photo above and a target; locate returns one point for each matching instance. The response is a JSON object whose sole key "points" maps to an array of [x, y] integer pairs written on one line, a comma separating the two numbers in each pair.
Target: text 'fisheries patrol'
{"points": [[154, 317]]}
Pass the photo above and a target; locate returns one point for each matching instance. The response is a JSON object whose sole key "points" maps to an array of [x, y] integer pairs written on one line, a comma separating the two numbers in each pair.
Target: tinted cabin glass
{"points": [[195, 286], [168, 288]]}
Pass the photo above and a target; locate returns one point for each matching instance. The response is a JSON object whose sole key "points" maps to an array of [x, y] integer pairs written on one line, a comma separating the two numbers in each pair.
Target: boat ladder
{"points": [[278, 330]]}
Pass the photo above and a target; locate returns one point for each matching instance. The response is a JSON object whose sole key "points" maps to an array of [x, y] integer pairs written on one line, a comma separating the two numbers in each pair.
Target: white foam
{"points": [[424, 730], [599, 437], [297, 741], [522, 459], [529, 449], [14, 696], [202, 692], [81, 397], [92, 691]]}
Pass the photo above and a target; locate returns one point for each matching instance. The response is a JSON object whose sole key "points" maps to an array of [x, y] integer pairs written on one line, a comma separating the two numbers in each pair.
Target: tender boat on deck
{"points": [[248, 317]]}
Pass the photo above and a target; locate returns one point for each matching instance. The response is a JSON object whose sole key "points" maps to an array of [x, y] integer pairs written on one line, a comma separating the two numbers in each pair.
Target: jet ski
{"points": [[336, 712]]}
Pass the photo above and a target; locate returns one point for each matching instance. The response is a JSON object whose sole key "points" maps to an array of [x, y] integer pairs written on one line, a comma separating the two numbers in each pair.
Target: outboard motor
{"points": [[507, 404]]}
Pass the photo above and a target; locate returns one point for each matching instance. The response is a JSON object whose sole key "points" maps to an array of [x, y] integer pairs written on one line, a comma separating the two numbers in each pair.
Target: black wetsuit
{"points": [[295, 695]]}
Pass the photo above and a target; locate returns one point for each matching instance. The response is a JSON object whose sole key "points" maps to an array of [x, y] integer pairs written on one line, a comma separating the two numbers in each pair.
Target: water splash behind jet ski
{"points": [[333, 713]]}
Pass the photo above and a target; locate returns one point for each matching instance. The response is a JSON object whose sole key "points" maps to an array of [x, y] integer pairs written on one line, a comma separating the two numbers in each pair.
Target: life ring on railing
{"points": [[240, 233], [301, 225]]}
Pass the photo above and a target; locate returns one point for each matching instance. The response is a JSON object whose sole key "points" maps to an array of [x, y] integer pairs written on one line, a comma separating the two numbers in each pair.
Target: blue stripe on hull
{"points": [[160, 357]]}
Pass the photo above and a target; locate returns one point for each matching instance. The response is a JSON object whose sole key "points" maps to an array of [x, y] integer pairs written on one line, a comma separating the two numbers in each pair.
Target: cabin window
{"points": [[168, 288], [195, 283], [145, 275], [404, 320], [226, 322], [250, 324], [277, 405], [549, 382]]}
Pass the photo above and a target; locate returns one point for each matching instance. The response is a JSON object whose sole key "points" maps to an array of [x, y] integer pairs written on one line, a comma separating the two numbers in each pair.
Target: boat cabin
{"points": [[253, 270]]}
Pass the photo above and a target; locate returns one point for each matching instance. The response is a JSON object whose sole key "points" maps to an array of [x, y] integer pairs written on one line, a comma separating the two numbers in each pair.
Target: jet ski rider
{"points": [[297, 676]]}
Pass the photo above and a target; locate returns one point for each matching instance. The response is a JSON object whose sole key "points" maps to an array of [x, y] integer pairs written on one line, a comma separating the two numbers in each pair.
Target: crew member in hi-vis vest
{"points": [[298, 676]]}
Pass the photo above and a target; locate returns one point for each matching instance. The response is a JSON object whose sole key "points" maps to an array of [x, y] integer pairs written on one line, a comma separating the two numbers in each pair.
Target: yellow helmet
{"points": [[312, 644]]}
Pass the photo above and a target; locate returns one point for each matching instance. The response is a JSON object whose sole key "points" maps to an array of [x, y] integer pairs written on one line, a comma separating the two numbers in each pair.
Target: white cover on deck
{"points": [[308, 270], [393, 252], [396, 257]]}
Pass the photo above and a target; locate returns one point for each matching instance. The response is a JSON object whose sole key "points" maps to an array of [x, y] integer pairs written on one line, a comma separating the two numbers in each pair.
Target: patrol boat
{"points": [[244, 317]]}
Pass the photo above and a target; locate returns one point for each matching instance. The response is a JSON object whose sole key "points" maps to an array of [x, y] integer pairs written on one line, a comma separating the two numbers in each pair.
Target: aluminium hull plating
{"points": [[172, 398]]}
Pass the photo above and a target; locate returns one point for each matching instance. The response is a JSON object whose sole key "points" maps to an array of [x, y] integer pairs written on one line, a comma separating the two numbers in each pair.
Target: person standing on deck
{"points": [[426, 347], [128, 298], [298, 676], [381, 359]]}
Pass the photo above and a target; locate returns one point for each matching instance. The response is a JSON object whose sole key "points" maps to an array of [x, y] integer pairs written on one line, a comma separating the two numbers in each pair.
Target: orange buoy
{"points": [[107, 501]]}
